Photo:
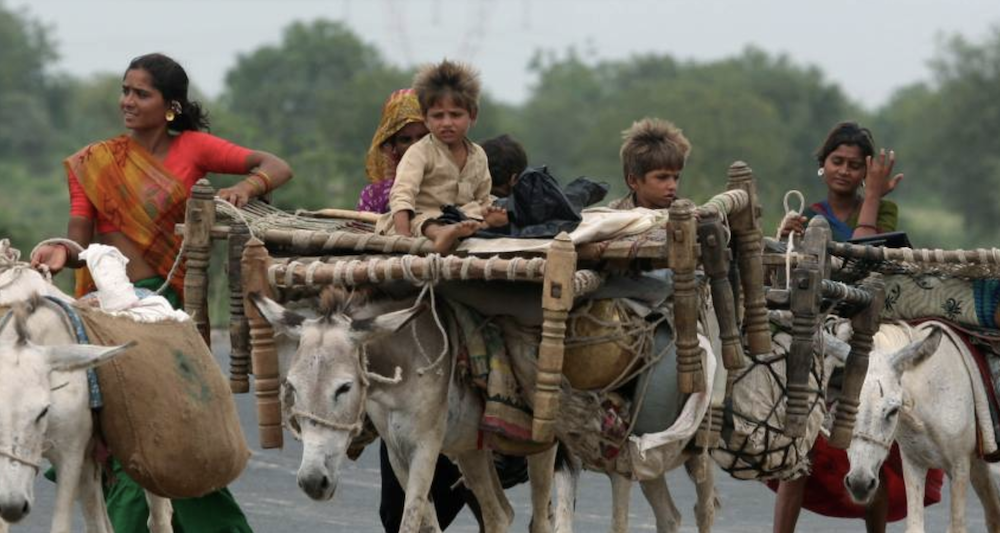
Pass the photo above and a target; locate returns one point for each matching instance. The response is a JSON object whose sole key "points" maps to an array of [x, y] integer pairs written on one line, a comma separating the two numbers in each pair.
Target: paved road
{"points": [[274, 503]]}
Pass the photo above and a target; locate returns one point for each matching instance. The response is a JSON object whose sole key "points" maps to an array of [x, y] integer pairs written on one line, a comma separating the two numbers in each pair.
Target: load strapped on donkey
{"points": [[721, 238]]}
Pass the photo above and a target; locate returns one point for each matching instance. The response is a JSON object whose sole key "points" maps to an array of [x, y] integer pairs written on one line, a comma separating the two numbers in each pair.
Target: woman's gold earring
{"points": [[170, 115]]}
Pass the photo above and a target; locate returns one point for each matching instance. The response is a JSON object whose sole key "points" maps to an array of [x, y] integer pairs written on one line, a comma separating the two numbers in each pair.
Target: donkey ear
{"points": [[281, 319], [836, 349], [80, 356], [386, 324], [917, 352]]}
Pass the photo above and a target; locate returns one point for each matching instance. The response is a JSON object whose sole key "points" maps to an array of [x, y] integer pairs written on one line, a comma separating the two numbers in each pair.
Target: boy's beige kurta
{"points": [[428, 178]]}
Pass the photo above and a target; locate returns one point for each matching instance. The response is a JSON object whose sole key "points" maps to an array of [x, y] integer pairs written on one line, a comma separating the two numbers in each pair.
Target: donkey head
{"points": [[25, 399], [323, 395], [881, 400]]}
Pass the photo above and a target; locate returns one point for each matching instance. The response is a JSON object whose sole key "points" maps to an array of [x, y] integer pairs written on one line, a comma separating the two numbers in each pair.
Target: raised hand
{"points": [[879, 168]]}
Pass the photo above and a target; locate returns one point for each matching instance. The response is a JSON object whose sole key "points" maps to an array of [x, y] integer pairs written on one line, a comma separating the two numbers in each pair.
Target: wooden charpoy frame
{"points": [[685, 248]]}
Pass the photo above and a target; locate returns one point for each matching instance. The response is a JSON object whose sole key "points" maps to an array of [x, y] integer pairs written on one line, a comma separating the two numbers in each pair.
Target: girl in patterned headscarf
{"points": [[402, 125]]}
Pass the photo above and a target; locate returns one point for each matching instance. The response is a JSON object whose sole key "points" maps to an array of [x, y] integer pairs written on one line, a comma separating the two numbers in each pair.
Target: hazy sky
{"points": [[869, 47]]}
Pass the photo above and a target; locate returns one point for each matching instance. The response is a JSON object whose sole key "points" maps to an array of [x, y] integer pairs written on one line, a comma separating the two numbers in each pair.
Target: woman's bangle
{"points": [[257, 184], [265, 179], [870, 226]]}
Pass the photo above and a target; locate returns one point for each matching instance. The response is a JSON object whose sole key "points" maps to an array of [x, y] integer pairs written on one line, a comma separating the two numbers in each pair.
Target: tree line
{"points": [[315, 97]]}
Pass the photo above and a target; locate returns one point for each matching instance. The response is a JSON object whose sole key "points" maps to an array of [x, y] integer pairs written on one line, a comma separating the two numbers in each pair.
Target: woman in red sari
{"points": [[129, 192]]}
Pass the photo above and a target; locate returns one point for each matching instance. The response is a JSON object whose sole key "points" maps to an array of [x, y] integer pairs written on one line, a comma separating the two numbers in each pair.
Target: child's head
{"points": [[842, 157], [507, 160], [449, 95], [653, 155]]}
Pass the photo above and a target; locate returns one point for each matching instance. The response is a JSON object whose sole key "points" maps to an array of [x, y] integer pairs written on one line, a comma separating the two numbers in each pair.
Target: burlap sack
{"points": [[168, 414]]}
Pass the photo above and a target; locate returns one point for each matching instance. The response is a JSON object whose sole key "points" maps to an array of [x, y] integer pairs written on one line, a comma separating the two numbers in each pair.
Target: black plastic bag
{"points": [[538, 207]]}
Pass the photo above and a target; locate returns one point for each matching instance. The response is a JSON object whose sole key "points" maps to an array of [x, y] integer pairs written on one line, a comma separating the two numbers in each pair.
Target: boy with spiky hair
{"points": [[444, 168], [653, 155]]}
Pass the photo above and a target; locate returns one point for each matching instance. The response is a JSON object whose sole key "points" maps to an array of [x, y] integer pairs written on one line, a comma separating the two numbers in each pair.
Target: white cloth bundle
{"points": [[115, 292]]}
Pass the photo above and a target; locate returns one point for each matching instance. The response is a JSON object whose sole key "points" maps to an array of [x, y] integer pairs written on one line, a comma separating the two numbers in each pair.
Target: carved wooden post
{"points": [[198, 221], [710, 428], [263, 352], [683, 259], [239, 327], [805, 299], [715, 258], [749, 246], [865, 324], [557, 300]]}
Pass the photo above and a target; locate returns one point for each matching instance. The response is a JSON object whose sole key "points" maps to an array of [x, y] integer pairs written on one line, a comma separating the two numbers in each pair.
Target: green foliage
{"points": [[315, 97], [763, 110], [25, 50], [948, 135]]}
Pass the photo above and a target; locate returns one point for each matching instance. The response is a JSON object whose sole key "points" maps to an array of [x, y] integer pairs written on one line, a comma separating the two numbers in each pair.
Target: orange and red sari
{"points": [[136, 193]]}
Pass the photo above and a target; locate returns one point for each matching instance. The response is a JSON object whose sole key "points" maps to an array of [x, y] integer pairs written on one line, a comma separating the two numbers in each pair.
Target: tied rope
{"points": [[10, 259], [228, 209], [17, 458], [434, 264], [70, 245], [789, 215], [884, 443], [367, 377]]}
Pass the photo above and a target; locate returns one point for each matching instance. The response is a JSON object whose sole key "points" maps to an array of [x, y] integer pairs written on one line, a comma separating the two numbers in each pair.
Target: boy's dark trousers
{"points": [[447, 502]]}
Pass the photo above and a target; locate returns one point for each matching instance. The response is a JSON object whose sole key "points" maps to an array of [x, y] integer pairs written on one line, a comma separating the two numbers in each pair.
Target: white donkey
{"points": [[419, 415], [918, 392], [44, 410], [43, 413], [411, 416]]}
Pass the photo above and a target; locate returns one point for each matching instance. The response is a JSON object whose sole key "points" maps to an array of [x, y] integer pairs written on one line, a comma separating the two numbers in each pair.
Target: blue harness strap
{"points": [[96, 401]]}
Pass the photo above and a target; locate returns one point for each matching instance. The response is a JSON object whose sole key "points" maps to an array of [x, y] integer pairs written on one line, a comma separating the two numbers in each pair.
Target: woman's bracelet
{"points": [[870, 226], [265, 177], [257, 183]]}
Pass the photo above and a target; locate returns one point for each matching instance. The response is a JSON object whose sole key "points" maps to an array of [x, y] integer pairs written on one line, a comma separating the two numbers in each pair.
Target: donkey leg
{"points": [[415, 473], [68, 469], [481, 477], [668, 518], [566, 477], [959, 474], [701, 473], [621, 492], [161, 512], [540, 475], [986, 490], [915, 477], [91, 496]]}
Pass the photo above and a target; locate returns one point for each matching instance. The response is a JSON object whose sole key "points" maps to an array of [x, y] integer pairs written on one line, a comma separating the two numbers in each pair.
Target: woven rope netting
{"points": [[260, 217], [753, 444]]}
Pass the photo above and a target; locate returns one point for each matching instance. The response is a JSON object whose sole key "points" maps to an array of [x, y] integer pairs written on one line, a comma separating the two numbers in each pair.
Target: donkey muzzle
{"points": [[317, 484], [14, 509], [861, 486]]}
